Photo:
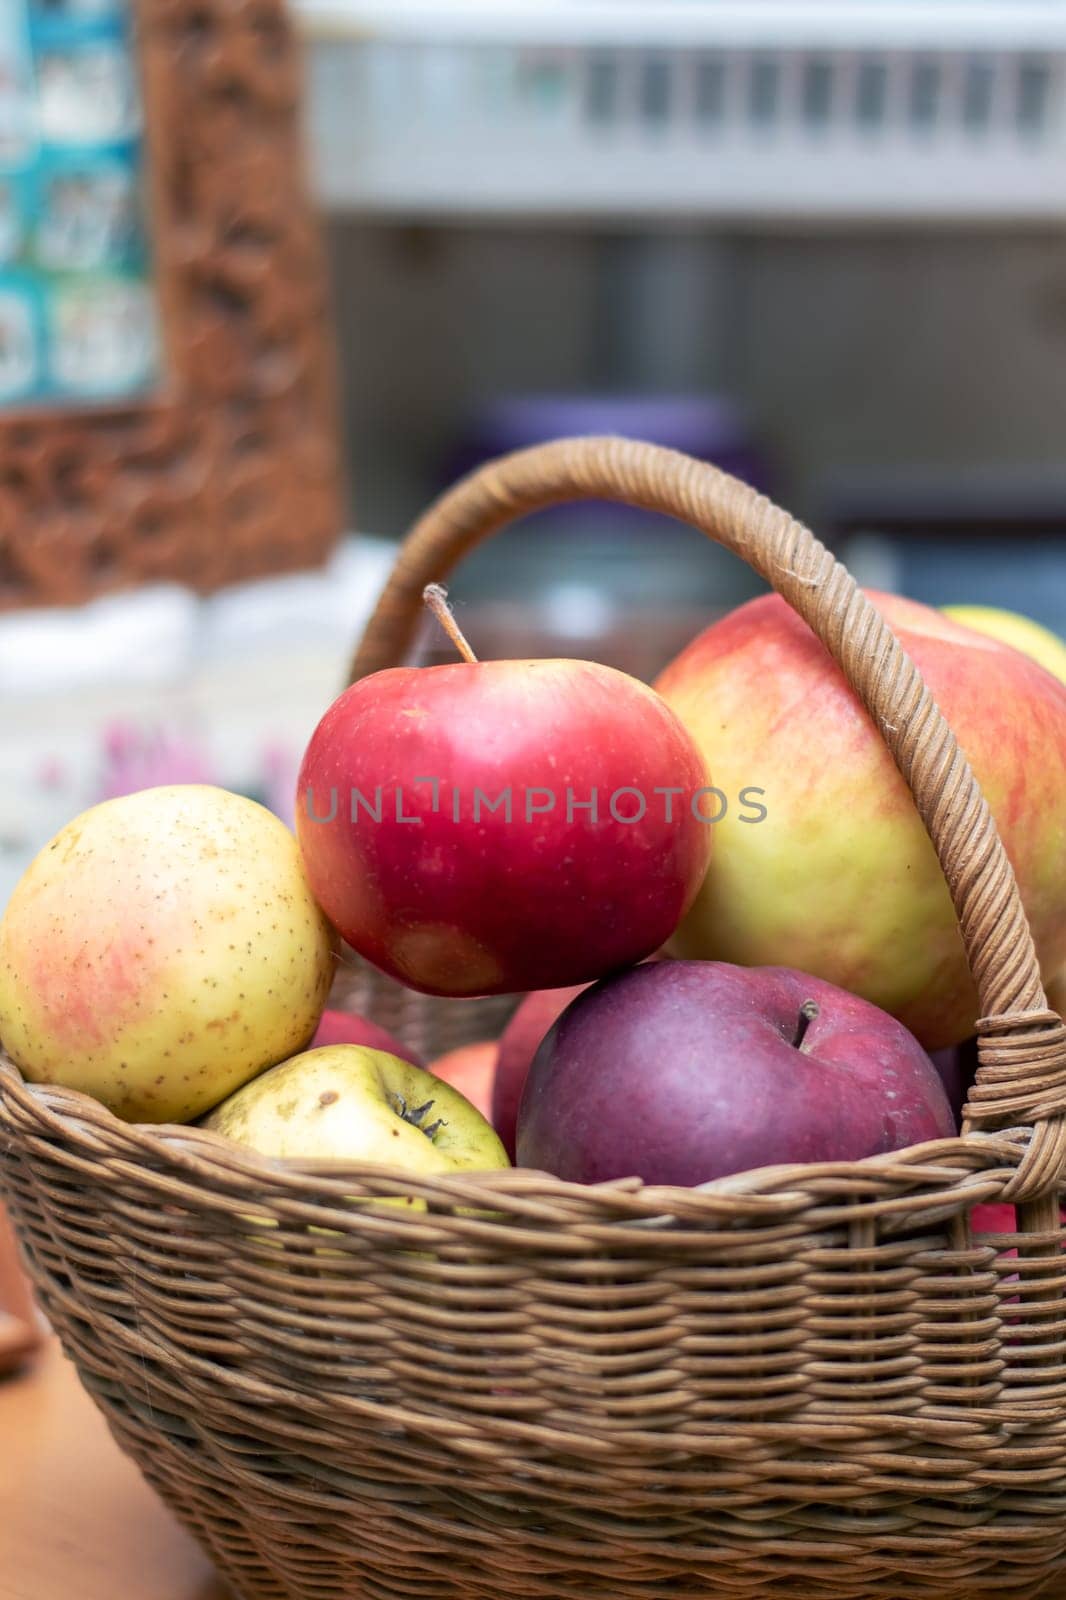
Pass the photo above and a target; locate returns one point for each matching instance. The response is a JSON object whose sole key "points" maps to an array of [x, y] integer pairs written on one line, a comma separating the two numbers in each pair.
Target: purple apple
{"points": [[957, 1066], [518, 1045], [686, 1071]]}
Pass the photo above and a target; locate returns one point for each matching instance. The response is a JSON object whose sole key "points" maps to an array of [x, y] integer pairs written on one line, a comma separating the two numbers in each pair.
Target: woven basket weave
{"points": [[811, 1381]]}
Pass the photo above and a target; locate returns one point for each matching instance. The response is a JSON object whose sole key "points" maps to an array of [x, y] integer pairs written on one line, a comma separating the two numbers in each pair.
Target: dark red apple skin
{"points": [[957, 1066], [684, 1071], [994, 1219], [348, 1027], [518, 1045], [491, 906]]}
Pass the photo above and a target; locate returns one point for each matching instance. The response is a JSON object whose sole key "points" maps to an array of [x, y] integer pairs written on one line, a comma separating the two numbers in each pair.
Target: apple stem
{"points": [[435, 597], [808, 1012]]}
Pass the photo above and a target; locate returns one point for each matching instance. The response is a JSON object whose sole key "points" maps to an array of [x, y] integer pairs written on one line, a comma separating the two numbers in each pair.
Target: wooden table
{"points": [[77, 1521]]}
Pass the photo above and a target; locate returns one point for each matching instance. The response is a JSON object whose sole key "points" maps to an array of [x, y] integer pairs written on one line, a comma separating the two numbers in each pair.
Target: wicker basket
{"points": [[812, 1381]]}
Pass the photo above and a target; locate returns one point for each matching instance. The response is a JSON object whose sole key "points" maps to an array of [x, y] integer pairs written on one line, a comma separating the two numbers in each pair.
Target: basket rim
{"points": [[943, 1175]]}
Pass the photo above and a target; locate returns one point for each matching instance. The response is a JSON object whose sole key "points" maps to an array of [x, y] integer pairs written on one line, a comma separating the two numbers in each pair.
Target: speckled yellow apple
{"points": [[346, 1102], [160, 951]]}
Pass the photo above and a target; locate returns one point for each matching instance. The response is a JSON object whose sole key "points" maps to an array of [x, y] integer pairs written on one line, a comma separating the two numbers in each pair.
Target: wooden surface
{"points": [[77, 1521], [21, 1330]]}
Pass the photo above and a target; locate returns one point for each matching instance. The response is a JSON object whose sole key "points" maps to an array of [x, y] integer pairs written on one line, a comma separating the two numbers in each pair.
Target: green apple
{"points": [[346, 1102], [163, 949], [1032, 638]]}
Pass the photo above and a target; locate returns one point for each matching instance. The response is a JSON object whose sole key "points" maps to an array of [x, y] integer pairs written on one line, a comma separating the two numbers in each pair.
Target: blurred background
{"points": [[820, 244]]}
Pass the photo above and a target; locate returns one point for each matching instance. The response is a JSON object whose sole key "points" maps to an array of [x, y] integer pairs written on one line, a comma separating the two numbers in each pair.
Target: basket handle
{"points": [[1022, 1075]]}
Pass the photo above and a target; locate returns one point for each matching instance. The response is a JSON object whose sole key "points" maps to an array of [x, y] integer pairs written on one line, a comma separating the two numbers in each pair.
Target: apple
{"points": [[163, 949], [518, 1045], [1032, 638], [999, 1218], [839, 877], [994, 1219], [470, 1068], [686, 1071], [957, 1066], [424, 879], [348, 1027], [349, 1103]]}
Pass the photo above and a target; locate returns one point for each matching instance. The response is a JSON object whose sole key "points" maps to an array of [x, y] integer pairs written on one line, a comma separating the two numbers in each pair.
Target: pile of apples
{"points": [[733, 937]]}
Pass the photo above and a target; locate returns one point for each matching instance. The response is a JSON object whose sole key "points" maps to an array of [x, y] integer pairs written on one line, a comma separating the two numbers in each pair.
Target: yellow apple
{"points": [[1030, 637], [346, 1102], [160, 951]]}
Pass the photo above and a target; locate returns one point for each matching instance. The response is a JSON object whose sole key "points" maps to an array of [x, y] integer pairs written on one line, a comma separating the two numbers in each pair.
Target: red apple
{"points": [[994, 1219], [471, 1069], [348, 1027], [410, 862], [999, 1218], [839, 877], [518, 1046], [685, 1071]]}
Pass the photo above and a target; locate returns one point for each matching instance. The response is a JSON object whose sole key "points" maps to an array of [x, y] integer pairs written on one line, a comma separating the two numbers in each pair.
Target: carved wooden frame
{"points": [[231, 469]]}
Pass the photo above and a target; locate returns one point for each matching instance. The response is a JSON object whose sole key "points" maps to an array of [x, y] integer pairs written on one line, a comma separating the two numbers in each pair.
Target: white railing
{"points": [[768, 109]]}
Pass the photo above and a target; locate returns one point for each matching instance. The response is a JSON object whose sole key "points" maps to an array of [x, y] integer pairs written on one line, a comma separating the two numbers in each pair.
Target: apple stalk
{"points": [[808, 1012], [435, 598]]}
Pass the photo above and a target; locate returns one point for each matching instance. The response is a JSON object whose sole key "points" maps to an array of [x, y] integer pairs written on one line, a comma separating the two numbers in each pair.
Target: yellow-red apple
{"points": [[160, 951], [839, 877], [1032, 638]]}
